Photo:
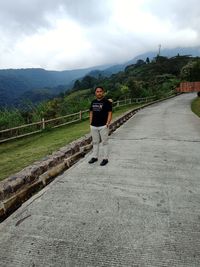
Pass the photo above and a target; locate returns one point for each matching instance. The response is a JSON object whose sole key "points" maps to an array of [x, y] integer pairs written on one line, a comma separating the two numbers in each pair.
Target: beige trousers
{"points": [[99, 134]]}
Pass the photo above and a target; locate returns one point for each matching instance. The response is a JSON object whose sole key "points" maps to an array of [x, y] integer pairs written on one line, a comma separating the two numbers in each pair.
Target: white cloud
{"points": [[66, 34], [63, 43]]}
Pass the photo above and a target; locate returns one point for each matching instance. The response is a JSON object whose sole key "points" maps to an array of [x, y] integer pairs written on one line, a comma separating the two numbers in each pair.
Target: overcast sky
{"points": [[70, 34]]}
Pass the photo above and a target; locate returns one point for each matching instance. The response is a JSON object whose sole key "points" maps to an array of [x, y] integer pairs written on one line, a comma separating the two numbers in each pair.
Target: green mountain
{"points": [[15, 82], [158, 77], [144, 77], [18, 85], [191, 51]]}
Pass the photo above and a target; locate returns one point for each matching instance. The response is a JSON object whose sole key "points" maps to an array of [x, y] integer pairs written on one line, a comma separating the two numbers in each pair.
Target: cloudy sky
{"points": [[70, 34]]}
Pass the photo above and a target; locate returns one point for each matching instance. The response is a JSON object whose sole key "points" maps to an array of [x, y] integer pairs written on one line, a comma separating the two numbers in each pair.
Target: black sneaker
{"points": [[92, 160], [104, 162]]}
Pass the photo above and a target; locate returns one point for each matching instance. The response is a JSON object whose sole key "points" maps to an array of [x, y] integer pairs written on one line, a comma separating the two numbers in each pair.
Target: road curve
{"points": [[142, 209]]}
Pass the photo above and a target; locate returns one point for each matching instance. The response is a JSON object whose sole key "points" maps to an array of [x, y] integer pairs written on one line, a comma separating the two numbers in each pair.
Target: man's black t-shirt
{"points": [[100, 109]]}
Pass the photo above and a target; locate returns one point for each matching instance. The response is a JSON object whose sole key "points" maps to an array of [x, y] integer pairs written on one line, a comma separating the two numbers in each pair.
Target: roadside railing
{"points": [[36, 127], [128, 101]]}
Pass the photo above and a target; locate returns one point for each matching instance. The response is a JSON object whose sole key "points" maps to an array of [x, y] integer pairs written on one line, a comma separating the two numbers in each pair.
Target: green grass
{"points": [[17, 154], [196, 106]]}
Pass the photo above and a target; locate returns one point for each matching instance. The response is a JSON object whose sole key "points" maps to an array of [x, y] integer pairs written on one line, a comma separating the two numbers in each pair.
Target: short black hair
{"points": [[99, 87]]}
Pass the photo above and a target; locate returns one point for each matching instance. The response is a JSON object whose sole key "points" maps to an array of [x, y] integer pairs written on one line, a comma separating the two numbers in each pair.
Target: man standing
{"points": [[100, 118]]}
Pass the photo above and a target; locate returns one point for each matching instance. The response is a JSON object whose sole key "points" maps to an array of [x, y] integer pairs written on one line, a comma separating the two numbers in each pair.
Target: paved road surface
{"points": [[143, 209]]}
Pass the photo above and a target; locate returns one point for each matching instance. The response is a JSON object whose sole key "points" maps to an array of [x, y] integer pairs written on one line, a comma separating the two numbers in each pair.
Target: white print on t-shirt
{"points": [[97, 106]]}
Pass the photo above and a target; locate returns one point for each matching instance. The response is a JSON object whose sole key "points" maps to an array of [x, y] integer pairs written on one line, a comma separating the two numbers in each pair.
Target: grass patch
{"points": [[17, 154], [196, 106]]}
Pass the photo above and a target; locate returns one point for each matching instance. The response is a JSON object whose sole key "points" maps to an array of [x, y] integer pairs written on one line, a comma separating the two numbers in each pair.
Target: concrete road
{"points": [[142, 209]]}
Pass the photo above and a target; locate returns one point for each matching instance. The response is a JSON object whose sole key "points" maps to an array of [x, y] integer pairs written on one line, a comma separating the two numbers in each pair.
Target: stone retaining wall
{"points": [[17, 188]]}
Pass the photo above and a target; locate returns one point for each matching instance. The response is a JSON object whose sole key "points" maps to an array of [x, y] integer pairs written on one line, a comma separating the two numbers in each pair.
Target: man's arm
{"points": [[91, 115], [109, 118]]}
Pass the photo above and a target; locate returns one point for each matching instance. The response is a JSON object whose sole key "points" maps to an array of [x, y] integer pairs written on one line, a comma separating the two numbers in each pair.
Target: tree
{"points": [[147, 60], [161, 59], [134, 87], [140, 62], [124, 90], [191, 71]]}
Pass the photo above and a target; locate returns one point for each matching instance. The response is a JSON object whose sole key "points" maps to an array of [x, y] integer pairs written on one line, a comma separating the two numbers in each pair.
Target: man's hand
{"points": [[109, 119]]}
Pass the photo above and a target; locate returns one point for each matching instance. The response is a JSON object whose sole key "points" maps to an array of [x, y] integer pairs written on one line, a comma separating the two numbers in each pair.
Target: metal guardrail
{"points": [[36, 127]]}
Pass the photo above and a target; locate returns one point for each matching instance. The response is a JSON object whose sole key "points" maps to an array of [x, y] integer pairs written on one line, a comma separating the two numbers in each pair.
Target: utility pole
{"points": [[159, 49]]}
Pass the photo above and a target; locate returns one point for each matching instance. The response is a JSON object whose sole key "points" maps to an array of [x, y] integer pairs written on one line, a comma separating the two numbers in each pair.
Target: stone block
{"points": [[1, 194], [11, 204]]}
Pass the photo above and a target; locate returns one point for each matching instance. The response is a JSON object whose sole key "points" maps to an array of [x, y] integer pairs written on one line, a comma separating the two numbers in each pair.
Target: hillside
{"points": [[15, 83], [18, 86], [192, 51], [144, 78], [157, 78]]}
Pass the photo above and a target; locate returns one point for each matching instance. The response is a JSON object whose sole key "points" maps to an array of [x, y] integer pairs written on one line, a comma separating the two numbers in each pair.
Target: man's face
{"points": [[99, 93]]}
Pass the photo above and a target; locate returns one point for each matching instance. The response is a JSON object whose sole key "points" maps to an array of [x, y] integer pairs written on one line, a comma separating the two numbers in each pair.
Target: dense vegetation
{"points": [[143, 79]]}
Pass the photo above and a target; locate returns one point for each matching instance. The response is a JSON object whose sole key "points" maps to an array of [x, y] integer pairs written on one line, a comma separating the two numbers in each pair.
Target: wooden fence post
{"points": [[80, 115], [43, 124]]}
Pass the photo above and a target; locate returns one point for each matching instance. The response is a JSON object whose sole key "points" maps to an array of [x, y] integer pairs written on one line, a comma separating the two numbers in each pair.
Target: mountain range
{"points": [[18, 85]]}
